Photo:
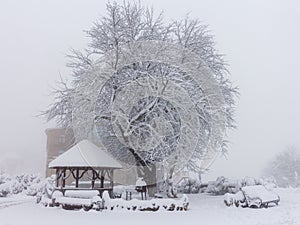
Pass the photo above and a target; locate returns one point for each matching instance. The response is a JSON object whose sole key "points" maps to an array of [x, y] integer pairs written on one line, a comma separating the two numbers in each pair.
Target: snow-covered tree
{"points": [[154, 94], [285, 168]]}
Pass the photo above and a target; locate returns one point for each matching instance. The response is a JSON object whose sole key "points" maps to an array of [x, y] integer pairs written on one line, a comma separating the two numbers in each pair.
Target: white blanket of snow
{"points": [[81, 193], [204, 209], [74, 201], [14, 200]]}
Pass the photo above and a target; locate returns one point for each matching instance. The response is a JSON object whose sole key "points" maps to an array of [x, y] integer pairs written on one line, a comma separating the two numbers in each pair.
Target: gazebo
{"points": [[88, 161]]}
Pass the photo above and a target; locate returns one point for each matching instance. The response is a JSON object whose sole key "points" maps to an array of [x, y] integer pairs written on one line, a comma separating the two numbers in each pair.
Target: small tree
{"points": [[285, 168]]}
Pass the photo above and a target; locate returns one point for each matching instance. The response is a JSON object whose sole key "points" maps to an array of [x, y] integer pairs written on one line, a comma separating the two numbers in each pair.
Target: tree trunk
{"points": [[148, 173], [170, 185]]}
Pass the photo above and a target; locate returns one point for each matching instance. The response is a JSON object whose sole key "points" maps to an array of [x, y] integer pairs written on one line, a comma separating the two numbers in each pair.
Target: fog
{"points": [[259, 38]]}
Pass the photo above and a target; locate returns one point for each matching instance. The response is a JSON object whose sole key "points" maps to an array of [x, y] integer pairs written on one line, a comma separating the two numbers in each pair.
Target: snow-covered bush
{"points": [[49, 184], [34, 188], [188, 186], [46, 189], [269, 182], [5, 181], [223, 185], [4, 178], [250, 181], [4, 189], [28, 180], [16, 187], [29, 184]]}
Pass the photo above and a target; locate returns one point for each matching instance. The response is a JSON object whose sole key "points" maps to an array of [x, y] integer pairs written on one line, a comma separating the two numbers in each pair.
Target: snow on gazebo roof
{"points": [[85, 154]]}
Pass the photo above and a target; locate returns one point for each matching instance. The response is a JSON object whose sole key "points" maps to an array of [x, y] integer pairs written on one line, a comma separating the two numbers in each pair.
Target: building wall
{"points": [[59, 140], [125, 176]]}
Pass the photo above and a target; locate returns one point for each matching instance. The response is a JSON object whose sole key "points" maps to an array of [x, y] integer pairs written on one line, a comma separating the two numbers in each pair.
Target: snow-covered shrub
{"points": [[34, 188], [27, 180], [188, 186], [5, 184], [16, 187], [225, 185], [4, 177], [269, 182], [49, 185], [4, 189], [250, 181], [222, 185], [237, 199], [45, 192], [42, 187], [29, 184]]}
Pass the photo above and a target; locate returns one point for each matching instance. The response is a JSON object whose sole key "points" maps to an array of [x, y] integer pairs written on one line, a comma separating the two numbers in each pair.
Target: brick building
{"points": [[58, 141]]}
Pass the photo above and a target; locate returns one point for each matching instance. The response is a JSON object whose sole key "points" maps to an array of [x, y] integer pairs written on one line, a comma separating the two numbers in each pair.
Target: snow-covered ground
{"points": [[204, 209], [13, 200]]}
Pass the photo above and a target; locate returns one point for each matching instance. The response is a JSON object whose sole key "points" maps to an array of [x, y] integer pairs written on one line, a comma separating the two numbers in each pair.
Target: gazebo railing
{"points": [[92, 174]]}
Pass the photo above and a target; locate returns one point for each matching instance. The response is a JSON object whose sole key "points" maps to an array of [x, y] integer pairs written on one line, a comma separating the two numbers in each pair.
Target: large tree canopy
{"points": [[151, 92]]}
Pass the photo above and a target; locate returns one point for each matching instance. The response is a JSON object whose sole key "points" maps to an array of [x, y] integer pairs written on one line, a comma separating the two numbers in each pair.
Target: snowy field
{"points": [[204, 209]]}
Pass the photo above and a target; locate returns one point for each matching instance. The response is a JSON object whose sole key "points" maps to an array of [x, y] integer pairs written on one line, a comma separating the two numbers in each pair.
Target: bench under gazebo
{"points": [[85, 161]]}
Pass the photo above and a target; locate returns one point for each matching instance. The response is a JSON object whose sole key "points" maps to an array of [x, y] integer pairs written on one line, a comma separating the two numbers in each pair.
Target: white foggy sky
{"points": [[259, 37]]}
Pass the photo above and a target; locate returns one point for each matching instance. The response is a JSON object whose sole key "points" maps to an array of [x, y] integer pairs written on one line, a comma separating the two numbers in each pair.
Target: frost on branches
{"points": [[154, 94]]}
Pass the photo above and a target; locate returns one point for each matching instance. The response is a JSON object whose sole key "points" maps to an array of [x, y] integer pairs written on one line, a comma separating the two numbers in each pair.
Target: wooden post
{"points": [[93, 179], [112, 179], [77, 178], [64, 177], [57, 177], [102, 181]]}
